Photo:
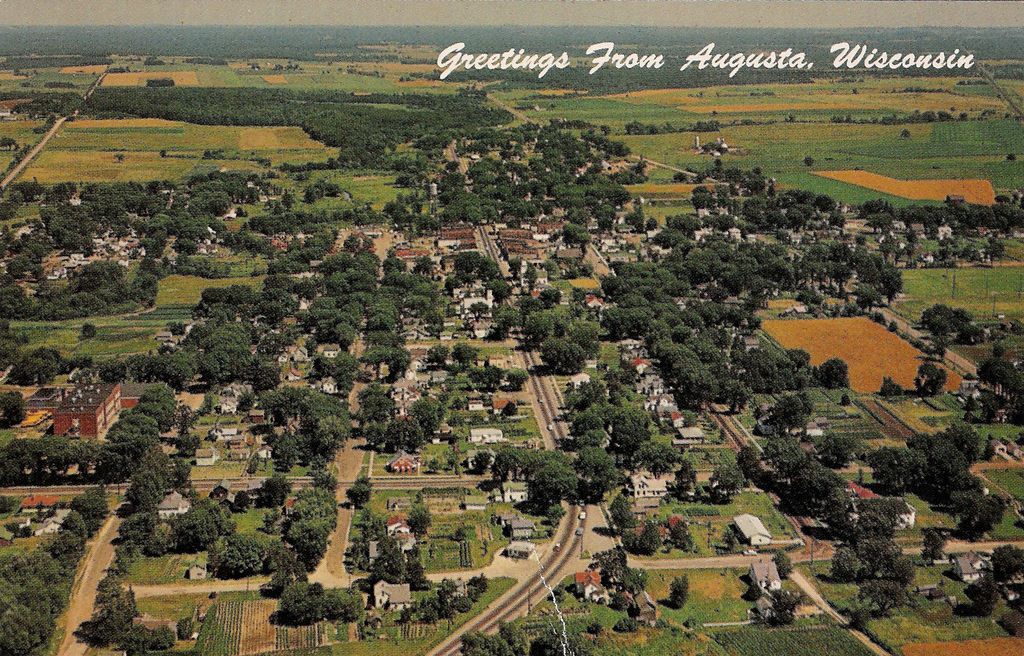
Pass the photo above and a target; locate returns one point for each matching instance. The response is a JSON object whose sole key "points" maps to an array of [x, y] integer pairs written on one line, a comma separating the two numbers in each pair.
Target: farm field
{"points": [[870, 351], [139, 79], [1010, 480], [127, 150], [949, 150], [810, 641], [115, 335], [978, 192], [822, 96], [176, 290], [241, 627], [991, 647], [978, 290]]}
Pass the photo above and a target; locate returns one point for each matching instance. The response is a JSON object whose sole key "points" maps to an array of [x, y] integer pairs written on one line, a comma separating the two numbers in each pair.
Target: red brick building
{"points": [[131, 393], [88, 410]]}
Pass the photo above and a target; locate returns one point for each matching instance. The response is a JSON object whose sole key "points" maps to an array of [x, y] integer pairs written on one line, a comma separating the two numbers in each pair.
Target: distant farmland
{"points": [[979, 192], [870, 351]]}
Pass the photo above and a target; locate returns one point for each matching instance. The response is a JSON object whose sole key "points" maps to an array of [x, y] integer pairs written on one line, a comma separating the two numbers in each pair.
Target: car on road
{"points": [[579, 531], [583, 514], [750, 552], [551, 427]]}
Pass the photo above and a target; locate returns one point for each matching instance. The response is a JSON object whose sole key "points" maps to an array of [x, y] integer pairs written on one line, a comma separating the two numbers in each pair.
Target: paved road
{"points": [[98, 557]]}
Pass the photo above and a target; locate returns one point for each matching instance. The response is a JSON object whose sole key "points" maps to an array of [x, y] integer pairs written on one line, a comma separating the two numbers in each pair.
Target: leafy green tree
{"points": [[984, 595], [359, 492], [679, 591], [243, 555], [419, 519]]}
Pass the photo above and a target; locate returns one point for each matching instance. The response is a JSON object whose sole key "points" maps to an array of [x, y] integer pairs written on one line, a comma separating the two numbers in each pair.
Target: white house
{"points": [[53, 523], [487, 435], [515, 492], [647, 486]]}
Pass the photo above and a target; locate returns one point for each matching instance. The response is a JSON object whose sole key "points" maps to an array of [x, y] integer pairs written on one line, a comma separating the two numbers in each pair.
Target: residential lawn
{"points": [[716, 595], [163, 569]]}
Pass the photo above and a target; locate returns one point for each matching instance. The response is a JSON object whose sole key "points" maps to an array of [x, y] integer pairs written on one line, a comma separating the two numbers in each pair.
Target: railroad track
{"points": [[731, 433], [519, 600]]}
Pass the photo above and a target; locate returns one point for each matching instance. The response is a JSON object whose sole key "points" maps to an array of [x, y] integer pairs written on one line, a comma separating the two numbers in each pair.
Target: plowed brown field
{"points": [[979, 192], [870, 351], [991, 647]]}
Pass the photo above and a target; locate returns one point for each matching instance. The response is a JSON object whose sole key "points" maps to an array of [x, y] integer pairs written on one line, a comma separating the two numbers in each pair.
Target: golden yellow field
{"points": [[655, 190], [84, 70], [990, 647], [275, 79], [822, 95], [138, 79], [11, 76], [870, 351], [585, 283], [979, 192]]}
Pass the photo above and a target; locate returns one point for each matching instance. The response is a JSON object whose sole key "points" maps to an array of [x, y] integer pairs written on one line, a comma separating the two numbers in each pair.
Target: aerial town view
{"points": [[306, 350]]}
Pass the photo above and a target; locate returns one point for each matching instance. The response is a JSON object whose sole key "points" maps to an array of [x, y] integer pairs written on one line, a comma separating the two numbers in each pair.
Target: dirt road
{"points": [[98, 557], [20, 166], [955, 361]]}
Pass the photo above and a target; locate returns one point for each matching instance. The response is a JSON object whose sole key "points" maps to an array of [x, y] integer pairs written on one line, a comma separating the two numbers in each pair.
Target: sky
{"points": [[666, 13]]}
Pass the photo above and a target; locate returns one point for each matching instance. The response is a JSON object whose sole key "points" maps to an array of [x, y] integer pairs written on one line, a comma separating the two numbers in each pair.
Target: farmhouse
{"points": [[392, 596], [765, 575], [751, 530], [589, 588], [520, 528], [206, 457], [513, 492], [36, 502], [969, 567], [53, 523], [173, 504]]}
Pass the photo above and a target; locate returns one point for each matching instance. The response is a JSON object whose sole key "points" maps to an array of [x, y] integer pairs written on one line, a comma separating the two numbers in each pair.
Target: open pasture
{"points": [[978, 192], [984, 292], [870, 351], [140, 78], [187, 290]]}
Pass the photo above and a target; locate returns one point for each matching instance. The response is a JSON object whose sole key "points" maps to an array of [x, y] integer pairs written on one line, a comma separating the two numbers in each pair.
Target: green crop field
{"points": [[812, 641], [126, 150]]}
